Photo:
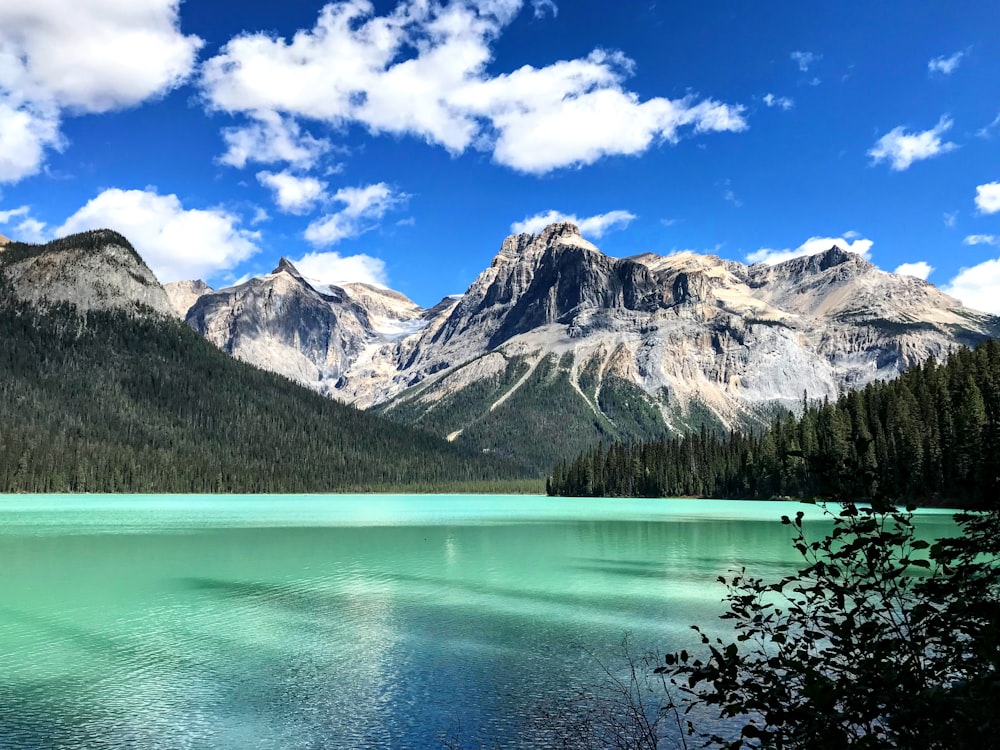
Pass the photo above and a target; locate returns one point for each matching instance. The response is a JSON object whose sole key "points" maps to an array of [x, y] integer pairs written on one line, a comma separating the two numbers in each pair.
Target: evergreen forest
{"points": [[112, 402], [930, 437]]}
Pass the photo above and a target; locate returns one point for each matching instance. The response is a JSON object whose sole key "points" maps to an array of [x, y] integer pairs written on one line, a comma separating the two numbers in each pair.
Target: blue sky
{"points": [[400, 142]]}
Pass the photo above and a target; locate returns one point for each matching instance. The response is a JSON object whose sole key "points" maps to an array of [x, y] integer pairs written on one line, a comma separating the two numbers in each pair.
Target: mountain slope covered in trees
{"points": [[930, 437], [113, 400]]}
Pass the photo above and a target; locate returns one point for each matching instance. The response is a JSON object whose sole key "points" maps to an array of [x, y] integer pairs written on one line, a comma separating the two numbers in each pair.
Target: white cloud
{"points": [[421, 70], [805, 59], [27, 228], [950, 218], [978, 287], [901, 149], [945, 65], [333, 268], [812, 246], [177, 243], [591, 226], [26, 132], [6, 216], [294, 195], [783, 102], [269, 139], [988, 197], [363, 208], [81, 56], [920, 269], [982, 239]]}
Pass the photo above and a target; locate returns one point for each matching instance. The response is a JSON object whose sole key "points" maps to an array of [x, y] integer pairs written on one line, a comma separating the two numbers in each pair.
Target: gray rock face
{"points": [[183, 295], [96, 270], [284, 323], [698, 334]]}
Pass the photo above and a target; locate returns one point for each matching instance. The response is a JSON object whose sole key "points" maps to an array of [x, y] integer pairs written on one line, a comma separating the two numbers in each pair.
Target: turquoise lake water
{"points": [[273, 622]]}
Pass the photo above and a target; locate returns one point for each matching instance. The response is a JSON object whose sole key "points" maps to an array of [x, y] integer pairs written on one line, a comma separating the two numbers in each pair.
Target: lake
{"points": [[235, 622]]}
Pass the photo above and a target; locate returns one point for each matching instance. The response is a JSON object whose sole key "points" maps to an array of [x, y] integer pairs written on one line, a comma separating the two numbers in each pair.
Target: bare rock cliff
{"points": [[97, 270]]}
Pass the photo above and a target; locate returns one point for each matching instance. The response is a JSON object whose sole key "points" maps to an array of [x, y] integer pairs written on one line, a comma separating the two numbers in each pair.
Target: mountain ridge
{"points": [[629, 348]]}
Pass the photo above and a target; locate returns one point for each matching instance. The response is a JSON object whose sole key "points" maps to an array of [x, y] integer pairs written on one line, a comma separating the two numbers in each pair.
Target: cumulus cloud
{"points": [[920, 269], [782, 102], [334, 268], [292, 194], [805, 59], [988, 197], [81, 56], [978, 287], [363, 208], [421, 71], [177, 243], [271, 138], [901, 149], [591, 226], [26, 131], [812, 246], [945, 65], [982, 239]]}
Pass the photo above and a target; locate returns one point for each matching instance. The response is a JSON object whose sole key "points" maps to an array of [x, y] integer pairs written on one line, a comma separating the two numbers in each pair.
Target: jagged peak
{"points": [[4, 240], [558, 230], [835, 256], [517, 246], [286, 266]]}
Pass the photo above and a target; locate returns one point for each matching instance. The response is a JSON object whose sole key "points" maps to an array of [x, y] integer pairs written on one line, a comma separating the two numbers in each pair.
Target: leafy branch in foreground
{"points": [[882, 640]]}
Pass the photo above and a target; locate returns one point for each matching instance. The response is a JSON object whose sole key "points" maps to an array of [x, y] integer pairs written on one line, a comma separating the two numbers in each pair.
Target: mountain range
{"points": [[556, 345]]}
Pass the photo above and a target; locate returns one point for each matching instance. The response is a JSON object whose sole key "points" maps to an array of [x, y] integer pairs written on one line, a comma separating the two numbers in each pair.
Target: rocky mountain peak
{"points": [[286, 266], [530, 247], [95, 270], [4, 240], [813, 264]]}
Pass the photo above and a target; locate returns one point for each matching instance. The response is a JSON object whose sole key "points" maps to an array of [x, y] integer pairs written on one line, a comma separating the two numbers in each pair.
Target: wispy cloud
{"points": [[950, 218], [982, 239], [946, 64], [901, 149], [363, 208], [805, 60], [987, 130], [782, 102], [542, 8], [728, 194]]}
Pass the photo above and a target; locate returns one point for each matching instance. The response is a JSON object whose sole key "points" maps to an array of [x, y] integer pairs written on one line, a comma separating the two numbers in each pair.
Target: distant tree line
{"points": [[930, 437]]}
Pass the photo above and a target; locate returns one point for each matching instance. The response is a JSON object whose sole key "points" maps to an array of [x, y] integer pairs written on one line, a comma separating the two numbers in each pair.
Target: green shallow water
{"points": [[345, 621]]}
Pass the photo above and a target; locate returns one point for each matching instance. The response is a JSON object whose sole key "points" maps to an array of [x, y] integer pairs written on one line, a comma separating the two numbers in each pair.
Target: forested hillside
{"points": [[930, 437], [112, 402]]}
